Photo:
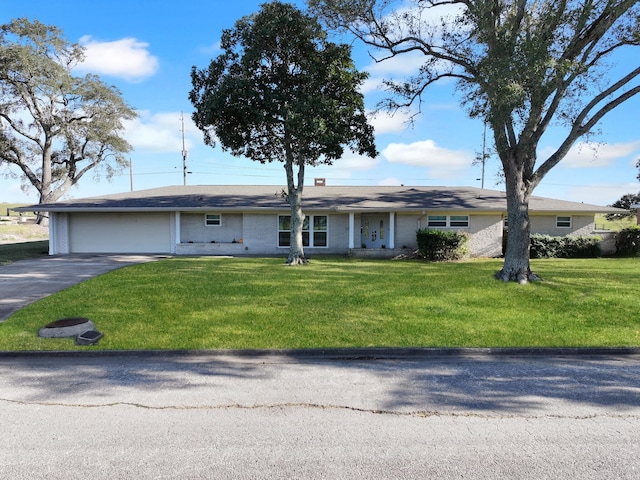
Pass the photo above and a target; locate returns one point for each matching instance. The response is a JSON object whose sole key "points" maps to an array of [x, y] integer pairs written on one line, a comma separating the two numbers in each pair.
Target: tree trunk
{"points": [[45, 180], [294, 197], [516, 265], [296, 247]]}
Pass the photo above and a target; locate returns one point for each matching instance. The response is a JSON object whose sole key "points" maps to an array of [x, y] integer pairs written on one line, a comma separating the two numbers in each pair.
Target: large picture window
{"points": [[314, 231]]}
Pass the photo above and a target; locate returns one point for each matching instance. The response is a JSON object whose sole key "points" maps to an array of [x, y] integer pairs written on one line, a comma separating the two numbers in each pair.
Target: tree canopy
{"points": [[522, 66], [55, 127], [280, 91], [625, 203]]}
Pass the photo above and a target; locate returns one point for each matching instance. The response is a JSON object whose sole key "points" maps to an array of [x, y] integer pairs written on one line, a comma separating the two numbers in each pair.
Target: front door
{"points": [[375, 231]]}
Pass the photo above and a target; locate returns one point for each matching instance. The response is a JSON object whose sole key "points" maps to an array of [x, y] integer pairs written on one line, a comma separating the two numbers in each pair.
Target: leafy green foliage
{"points": [[625, 203], [628, 241], [546, 246], [442, 245], [55, 127], [282, 92]]}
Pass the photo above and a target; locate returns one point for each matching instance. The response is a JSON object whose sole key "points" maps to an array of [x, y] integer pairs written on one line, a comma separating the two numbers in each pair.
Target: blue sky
{"points": [[147, 47]]}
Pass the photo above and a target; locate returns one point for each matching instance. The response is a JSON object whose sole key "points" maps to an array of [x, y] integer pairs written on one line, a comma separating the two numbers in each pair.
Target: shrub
{"points": [[546, 246], [441, 245], [581, 247], [628, 241]]}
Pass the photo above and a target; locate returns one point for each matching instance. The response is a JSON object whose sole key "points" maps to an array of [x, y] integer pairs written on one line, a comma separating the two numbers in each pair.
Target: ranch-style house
{"points": [[254, 220]]}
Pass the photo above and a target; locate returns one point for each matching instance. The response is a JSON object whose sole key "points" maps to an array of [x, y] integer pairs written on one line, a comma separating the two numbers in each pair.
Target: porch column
{"points": [[392, 230], [351, 228], [53, 234], [178, 234]]}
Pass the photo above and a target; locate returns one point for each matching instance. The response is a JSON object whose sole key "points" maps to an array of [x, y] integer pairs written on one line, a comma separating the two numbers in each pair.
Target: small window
{"points": [[459, 221], [563, 222], [212, 220], [453, 221], [437, 220]]}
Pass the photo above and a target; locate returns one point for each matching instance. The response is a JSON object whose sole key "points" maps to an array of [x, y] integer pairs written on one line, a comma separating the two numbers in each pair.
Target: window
{"points": [[453, 221], [437, 220], [459, 221], [563, 222], [212, 220], [314, 231]]}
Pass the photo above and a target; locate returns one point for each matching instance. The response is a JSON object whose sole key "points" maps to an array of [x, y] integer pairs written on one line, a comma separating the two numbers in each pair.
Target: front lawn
{"points": [[257, 303]]}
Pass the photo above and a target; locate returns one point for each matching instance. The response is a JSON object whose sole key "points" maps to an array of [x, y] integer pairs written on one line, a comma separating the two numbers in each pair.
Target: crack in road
{"points": [[317, 406]]}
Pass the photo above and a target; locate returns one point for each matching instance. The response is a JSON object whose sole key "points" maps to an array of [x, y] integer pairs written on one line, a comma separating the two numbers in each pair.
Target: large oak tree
{"points": [[521, 65], [55, 127], [280, 91]]}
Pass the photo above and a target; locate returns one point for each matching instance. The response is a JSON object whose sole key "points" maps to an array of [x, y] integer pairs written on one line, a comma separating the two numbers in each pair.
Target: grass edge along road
{"points": [[259, 303]]}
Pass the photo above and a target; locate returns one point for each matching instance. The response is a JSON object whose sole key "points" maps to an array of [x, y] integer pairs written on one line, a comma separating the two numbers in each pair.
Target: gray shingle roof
{"points": [[326, 198]]}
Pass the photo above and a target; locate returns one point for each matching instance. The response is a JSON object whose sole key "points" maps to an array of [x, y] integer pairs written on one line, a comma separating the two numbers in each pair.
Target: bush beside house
{"points": [[628, 241], [442, 245], [547, 246]]}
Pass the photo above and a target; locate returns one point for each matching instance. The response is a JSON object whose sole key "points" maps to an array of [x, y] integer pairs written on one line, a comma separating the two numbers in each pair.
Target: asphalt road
{"points": [[465, 414]]}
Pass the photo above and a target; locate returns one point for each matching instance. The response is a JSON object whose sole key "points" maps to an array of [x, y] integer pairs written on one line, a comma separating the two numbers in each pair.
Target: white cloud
{"points": [[595, 155], [343, 168], [441, 162], [357, 162], [402, 65], [390, 182], [386, 123], [371, 85], [127, 58], [600, 194], [161, 132], [212, 49]]}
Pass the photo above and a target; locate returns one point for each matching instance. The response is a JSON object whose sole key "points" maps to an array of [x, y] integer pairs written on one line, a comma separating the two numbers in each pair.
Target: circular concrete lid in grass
{"points": [[66, 327]]}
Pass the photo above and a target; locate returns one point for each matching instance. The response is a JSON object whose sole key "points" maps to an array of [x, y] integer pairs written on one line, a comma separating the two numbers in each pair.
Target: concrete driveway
{"points": [[25, 281]]}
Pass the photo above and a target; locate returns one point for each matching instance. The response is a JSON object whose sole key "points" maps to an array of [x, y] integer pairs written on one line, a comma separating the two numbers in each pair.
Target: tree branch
{"points": [[580, 127]]}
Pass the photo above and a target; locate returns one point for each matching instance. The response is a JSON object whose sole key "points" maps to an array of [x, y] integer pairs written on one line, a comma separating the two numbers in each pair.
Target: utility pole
{"points": [[184, 152], [484, 152]]}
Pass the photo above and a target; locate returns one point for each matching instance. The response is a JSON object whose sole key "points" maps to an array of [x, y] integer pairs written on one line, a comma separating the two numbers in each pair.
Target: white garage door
{"points": [[119, 233]]}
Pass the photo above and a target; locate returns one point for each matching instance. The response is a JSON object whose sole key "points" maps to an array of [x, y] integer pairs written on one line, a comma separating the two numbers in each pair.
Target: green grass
{"points": [[20, 251], [615, 225], [239, 303], [5, 207]]}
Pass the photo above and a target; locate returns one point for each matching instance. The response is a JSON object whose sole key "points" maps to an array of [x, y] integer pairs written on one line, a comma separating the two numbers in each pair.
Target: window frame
{"points": [[206, 219], [313, 236], [448, 221], [568, 223]]}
